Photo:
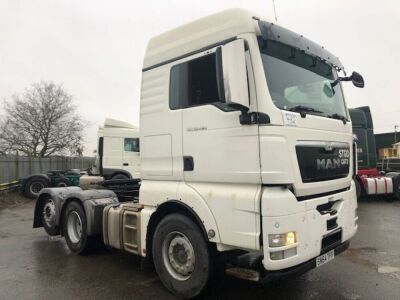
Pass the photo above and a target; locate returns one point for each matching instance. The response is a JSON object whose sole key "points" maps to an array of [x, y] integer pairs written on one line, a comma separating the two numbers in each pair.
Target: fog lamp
{"points": [[278, 255], [282, 239]]}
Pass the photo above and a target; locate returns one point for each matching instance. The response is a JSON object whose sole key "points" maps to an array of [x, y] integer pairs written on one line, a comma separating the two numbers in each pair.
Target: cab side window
{"points": [[131, 144], [194, 83]]}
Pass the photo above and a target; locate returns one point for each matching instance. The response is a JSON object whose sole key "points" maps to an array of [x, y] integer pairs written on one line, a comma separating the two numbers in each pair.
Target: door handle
{"points": [[188, 163], [125, 164]]}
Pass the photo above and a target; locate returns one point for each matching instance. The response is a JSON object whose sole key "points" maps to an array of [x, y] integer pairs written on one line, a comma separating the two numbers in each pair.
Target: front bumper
{"points": [[282, 212], [269, 276]]}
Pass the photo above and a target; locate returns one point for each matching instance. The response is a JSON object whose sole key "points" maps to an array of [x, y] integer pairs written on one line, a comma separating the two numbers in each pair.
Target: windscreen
{"points": [[296, 79]]}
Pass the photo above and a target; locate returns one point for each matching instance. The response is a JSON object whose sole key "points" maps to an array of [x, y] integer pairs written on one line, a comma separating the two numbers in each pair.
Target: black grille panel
{"points": [[319, 164], [331, 240]]}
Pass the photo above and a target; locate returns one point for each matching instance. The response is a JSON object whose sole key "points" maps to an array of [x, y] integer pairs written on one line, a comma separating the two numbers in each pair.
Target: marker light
{"points": [[282, 239]]}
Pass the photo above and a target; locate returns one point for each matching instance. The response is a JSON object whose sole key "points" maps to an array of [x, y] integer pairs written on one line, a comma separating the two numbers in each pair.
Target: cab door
{"points": [[220, 155], [216, 146], [113, 152]]}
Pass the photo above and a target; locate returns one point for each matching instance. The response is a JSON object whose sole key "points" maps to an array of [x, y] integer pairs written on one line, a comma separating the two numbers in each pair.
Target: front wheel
{"points": [[182, 257], [75, 229], [358, 189]]}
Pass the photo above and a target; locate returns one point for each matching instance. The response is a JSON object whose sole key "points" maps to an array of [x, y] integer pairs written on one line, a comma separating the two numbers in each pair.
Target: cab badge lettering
{"points": [[196, 128]]}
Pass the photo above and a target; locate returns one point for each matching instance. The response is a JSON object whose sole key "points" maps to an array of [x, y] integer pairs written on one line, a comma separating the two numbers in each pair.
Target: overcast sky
{"points": [[95, 48]]}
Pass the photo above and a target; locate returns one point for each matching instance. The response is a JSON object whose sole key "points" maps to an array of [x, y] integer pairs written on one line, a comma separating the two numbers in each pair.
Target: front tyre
{"points": [[182, 257], [358, 188], [74, 225]]}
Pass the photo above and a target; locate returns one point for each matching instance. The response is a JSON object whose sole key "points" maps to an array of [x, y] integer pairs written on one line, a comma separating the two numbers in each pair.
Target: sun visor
{"points": [[271, 31]]}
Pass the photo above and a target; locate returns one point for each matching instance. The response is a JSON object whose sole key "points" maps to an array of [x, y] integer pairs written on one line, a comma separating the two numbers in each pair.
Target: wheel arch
{"points": [[60, 207], [167, 208], [38, 175], [87, 199]]}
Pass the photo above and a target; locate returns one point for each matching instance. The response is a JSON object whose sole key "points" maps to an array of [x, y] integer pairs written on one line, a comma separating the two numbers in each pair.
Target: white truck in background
{"points": [[117, 154], [246, 151]]}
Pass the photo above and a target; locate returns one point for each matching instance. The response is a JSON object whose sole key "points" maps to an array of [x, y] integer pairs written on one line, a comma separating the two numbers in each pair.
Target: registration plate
{"points": [[324, 258]]}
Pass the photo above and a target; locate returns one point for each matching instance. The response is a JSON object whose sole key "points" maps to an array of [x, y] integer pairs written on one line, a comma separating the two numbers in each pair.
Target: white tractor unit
{"points": [[117, 155], [246, 152]]}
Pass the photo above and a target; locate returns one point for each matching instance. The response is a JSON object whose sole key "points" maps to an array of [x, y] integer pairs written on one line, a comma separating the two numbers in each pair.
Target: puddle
{"points": [[351, 296], [388, 269]]}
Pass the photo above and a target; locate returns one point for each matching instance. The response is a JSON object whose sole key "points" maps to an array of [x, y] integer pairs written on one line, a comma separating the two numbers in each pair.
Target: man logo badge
{"points": [[327, 164], [328, 147]]}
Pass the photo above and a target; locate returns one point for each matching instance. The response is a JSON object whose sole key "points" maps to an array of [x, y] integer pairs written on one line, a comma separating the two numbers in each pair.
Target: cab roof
{"points": [[197, 35], [223, 26], [112, 123]]}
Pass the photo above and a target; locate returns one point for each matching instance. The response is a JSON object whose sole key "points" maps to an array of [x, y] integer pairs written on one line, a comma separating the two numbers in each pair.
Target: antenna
{"points": [[273, 3]]}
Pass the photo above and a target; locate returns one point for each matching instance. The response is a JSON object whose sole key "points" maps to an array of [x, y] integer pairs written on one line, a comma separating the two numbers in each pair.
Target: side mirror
{"points": [[357, 80], [232, 75]]}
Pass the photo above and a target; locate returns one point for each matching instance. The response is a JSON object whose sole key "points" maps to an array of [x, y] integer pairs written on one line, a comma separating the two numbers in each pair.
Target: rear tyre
{"points": [[62, 182], [49, 218], [181, 255], [120, 177], [34, 185], [396, 185], [74, 225]]}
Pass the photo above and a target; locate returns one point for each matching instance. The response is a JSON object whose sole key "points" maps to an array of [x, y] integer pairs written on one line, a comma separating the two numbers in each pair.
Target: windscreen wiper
{"points": [[338, 117], [303, 110]]}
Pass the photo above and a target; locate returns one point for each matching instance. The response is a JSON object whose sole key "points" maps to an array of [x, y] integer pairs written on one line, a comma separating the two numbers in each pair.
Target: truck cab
{"points": [[246, 147], [245, 122], [368, 179], [118, 152]]}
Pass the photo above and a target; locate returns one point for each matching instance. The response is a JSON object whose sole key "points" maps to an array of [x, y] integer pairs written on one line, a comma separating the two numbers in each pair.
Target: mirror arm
{"points": [[254, 118], [333, 84], [251, 118]]}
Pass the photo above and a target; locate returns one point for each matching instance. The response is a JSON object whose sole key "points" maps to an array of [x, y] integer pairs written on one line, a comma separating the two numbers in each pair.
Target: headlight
{"points": [[282, 239]]}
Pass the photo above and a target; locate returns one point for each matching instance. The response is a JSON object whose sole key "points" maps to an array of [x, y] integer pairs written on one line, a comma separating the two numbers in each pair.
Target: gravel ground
{"points": [[12, 199]]}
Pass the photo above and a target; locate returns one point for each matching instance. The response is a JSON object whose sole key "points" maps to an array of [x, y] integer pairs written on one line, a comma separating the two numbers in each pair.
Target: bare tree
{"points": [[40, 122]]}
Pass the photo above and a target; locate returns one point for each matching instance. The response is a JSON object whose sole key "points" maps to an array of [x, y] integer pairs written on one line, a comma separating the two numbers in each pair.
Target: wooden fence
{"points": [[15, 167]]}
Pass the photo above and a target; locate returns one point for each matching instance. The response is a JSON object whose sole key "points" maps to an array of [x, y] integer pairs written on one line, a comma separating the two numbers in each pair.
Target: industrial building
{"points": [[388, 144]]}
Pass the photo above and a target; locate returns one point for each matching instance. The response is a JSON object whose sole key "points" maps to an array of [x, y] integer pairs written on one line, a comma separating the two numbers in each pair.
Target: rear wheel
{"points": [[75, 229], [49, 217], [181, 256], [34, 185], [396, 184], [120, 177], [62, 182]]}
